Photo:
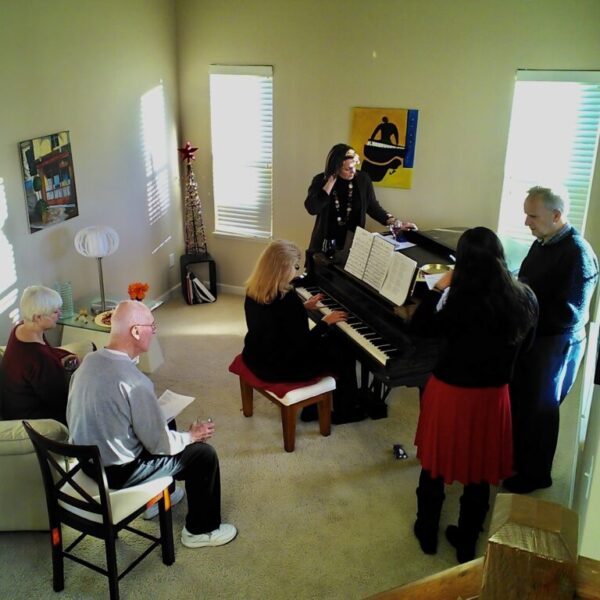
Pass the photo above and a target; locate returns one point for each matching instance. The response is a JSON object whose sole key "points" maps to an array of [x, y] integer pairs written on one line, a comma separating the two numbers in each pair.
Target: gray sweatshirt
{"points": [[112, 405]]}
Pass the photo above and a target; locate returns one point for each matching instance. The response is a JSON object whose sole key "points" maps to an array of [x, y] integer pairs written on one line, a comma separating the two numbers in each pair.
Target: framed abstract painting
{"points": [[385, 139]]}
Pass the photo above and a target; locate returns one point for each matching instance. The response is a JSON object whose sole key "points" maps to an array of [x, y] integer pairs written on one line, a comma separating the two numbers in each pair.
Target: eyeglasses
{"points": [[153, 325]]}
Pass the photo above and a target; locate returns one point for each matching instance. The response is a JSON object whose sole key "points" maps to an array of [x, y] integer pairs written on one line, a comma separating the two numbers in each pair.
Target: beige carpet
{"points": [[332, 520]]}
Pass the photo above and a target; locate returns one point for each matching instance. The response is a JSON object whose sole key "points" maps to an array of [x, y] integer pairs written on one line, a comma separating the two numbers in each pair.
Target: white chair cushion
{"points": [[122, 502], [325, 384]]}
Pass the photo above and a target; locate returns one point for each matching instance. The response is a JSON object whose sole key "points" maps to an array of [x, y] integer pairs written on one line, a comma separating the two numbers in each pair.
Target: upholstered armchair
{"points": [[22, 496]]}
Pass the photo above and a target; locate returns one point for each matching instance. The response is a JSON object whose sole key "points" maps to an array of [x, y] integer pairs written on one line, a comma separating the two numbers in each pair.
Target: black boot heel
{"points": [[465, 549], [427, 536]]}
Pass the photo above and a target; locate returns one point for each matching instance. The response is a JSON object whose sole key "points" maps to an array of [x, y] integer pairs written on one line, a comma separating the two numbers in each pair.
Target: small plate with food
{"points": [[103, 319]]}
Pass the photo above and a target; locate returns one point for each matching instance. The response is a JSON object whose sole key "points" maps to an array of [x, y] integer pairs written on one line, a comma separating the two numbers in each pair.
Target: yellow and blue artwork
{"points": [[385, 139]]}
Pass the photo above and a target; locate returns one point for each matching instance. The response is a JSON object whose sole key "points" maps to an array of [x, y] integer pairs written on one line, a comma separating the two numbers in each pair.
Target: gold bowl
{"points": [[435, 269]]}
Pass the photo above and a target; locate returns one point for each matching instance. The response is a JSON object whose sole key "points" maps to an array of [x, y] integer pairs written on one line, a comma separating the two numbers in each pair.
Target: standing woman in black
{"points": [[280, 347], [464, 432], [341, 198]]}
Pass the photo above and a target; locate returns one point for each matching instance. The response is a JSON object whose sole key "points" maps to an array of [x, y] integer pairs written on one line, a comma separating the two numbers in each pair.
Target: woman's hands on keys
{"points": [[313, 301], [335, 316]]}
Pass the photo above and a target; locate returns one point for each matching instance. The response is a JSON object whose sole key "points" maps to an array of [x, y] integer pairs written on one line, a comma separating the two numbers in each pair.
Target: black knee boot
{"points": [[474, 504], [430, 497]]}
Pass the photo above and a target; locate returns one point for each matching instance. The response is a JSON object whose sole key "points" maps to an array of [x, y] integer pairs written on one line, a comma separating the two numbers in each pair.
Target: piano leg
{"points": [[373, 394], [378, 408], [364, 377]]}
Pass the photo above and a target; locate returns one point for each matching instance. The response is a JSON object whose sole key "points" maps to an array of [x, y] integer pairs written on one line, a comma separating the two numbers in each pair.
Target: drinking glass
{"points": [[396, 229], [329, 248]]}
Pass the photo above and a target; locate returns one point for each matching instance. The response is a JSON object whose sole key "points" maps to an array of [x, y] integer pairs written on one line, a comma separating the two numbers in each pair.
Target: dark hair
{"points": [[481, 272], [335, 159]]}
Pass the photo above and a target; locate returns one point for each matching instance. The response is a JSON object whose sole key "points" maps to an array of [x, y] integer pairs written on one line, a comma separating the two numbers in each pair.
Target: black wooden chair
{"points": [[86, 504]]}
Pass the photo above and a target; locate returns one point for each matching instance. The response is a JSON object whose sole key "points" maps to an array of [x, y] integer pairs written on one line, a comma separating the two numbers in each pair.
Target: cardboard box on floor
{"points": [[532, 550]]}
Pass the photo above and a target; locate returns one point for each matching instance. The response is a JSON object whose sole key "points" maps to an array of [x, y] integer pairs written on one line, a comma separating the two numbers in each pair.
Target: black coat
{"points": [[318, 202], [279, 345]]}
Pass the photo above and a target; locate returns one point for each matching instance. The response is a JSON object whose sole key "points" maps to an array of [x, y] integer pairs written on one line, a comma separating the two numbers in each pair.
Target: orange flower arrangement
{"points": [[137, 290]]}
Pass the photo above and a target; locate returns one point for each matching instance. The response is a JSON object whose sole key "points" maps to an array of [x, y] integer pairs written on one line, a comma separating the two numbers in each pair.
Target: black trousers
{"points": [[197, 465]]}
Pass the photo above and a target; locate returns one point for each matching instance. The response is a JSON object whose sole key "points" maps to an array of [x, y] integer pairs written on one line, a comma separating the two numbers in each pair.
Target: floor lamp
{"points": [[97, 242]]}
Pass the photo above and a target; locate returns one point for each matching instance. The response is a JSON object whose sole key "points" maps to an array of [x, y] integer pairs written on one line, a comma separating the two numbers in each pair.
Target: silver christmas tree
{"points": [[195, 236]]}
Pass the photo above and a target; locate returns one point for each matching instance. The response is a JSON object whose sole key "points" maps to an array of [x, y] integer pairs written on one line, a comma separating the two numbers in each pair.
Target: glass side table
{"points": [[76, 329]]}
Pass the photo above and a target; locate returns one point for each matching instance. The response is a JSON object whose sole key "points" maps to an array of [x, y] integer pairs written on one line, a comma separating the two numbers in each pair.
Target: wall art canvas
{"points": [[49, 180], [385, 139]]}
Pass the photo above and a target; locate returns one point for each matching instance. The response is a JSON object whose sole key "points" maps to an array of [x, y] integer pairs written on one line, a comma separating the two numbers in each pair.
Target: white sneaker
{"points": [[218, 537], [176, 497]]}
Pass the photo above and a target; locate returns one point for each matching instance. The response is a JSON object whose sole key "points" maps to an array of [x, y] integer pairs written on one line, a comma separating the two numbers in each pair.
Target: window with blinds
{"points": [[241, 112], [552, 141]]}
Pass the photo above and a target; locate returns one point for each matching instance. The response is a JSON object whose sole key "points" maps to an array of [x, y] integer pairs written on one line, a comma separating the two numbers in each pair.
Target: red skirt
{"points": [[465, 434]]}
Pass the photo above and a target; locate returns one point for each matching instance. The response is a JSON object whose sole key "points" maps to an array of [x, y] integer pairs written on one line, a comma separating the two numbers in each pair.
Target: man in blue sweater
{"points": [[562, 270], [112, 405]]}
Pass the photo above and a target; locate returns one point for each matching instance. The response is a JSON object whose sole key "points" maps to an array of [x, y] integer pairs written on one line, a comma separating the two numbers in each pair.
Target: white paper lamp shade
{"points": [[96, 241]]}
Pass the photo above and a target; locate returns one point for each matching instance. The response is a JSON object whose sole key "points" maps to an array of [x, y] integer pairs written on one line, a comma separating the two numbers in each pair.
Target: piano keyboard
{"points": [[366, 337]]}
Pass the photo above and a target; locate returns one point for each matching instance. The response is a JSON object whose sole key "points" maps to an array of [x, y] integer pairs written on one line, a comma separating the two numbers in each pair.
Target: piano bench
{"points": [[290, 397]]}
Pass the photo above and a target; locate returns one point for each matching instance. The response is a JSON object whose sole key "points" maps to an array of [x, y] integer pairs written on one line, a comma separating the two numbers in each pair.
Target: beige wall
{"points": [[453, 61], [84, 66]]}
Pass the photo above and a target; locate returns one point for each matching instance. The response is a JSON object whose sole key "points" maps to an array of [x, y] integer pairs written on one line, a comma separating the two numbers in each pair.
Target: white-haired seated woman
{"points": [[280, 347], [35, 376]]}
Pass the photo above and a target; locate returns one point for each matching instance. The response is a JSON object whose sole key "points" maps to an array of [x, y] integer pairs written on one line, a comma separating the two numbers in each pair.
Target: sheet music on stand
{"points": [[359, 252], [399, 279], [373, 260], [378, 262]]}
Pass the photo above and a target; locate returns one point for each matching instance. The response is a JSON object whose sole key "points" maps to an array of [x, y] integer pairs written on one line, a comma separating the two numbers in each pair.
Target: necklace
{"points": [[336, 202]]}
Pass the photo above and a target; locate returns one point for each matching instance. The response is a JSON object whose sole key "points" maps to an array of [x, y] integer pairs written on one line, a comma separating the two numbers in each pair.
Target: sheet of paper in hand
{"points": [[172, 404]]}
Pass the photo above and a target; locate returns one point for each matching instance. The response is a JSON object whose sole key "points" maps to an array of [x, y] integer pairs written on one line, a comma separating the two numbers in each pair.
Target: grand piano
{"points": [[377, 330]]}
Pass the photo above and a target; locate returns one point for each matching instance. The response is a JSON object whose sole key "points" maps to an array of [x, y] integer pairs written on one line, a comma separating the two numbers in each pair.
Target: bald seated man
{"points": [[562, 269], [113, 405]]}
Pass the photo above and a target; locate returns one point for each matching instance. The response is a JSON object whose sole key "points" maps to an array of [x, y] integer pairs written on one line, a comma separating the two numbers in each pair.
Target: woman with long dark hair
{"points": [[341, 198], [483, 315]]}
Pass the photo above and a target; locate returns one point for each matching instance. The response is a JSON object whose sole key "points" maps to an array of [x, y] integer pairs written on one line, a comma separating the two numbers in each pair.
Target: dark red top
{"points": [[34, 381]]}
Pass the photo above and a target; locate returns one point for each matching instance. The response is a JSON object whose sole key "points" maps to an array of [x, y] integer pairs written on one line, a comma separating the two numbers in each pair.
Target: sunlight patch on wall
{"points": [[164, 242], [157, 195], [155, 144], [10, 300], [8, 271]]}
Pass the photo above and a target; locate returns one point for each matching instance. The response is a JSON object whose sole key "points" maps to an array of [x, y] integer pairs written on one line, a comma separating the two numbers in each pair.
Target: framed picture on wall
{"points": [[49, 180], [386, 139]]}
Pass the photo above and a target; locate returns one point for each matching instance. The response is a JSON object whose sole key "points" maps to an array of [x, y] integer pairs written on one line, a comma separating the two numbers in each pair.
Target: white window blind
{"points": [[241, 111], [552, 141]]}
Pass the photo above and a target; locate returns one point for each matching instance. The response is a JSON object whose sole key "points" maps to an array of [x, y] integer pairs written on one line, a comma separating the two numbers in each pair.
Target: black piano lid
{"points": [[444, 236]]}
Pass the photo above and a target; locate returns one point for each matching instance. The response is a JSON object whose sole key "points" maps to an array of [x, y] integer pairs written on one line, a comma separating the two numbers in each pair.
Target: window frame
{"points": [[250, 168], [579, 174]]}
